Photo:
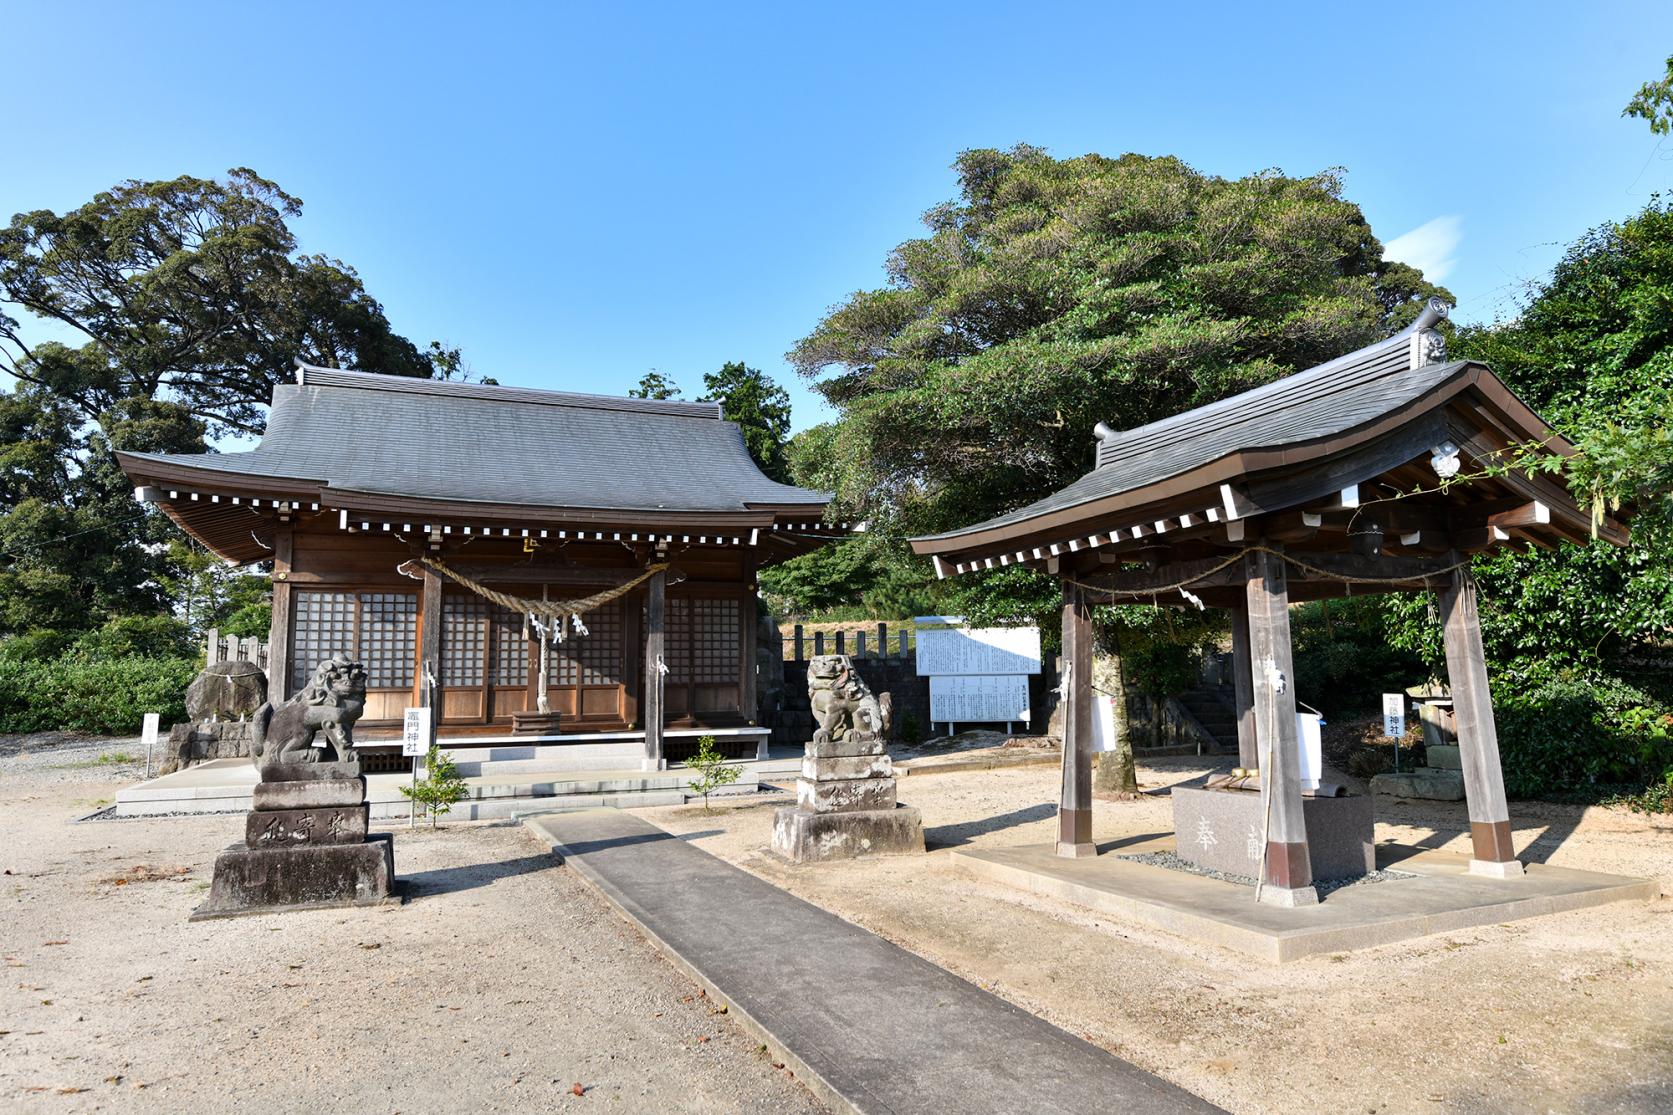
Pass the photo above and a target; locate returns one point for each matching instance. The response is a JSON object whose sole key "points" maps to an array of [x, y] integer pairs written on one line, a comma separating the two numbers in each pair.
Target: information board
{"points": [[415, 732], [979, 699], [1394, 715], [980, 650]]}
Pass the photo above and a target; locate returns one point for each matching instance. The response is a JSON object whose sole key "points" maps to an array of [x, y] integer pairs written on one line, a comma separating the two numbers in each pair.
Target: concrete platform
{"points": [[227, 785], [868, 1026], [1443, 898]]}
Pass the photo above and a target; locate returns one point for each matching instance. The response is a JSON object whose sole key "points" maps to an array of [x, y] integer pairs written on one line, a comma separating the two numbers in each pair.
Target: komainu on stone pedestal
{"points": [[306, 844], [845, 798]]}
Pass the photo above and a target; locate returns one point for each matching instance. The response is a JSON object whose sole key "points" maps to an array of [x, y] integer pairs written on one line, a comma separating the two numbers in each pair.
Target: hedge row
{"points": [[108, 696], [1560, 736]]}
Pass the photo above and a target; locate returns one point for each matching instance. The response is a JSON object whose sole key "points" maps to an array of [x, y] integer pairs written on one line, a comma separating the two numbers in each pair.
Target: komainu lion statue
{"points": [[843, 704], [332, 701]]}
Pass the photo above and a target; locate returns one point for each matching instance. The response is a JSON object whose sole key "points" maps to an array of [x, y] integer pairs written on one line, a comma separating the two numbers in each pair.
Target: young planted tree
{"points": [[440, 788], [713, 769]]}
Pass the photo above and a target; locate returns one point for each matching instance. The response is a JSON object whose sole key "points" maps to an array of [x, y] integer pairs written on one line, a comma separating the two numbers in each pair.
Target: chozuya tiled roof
{"points": [[1310, 406], [354, 432]]}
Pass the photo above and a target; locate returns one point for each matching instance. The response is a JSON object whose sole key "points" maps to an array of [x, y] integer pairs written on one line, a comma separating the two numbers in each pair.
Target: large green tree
{"points": [[1053, 294], [190, 290], [187, 302]]}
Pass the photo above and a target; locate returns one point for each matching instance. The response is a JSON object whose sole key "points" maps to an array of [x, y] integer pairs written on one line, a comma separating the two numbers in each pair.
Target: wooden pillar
{"points": [[1243, 690], [1074, 810], [656, 600], [749, 616], [278, 632], [429, 645], [1287, 878], [1478, 737], [799, 650]]}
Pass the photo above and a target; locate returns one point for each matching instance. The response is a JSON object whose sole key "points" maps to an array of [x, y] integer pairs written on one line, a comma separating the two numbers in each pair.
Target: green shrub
{"points": [[1564, 734], [102, 695], [156, 636], [34, 646]]}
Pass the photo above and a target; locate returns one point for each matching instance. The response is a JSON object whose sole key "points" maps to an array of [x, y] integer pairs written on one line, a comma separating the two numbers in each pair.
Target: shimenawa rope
{"points": [[1153, 590], [550, 609]]}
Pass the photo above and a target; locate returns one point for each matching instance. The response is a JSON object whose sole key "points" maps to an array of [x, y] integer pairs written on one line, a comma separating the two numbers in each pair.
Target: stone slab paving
{"points": [[867, 1025], [1442, 898]]}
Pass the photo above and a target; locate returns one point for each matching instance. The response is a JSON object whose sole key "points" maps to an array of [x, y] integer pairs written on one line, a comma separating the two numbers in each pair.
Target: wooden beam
{"points": [[1287, 878], [278, 631], [1478, 738], [1074, 811]]}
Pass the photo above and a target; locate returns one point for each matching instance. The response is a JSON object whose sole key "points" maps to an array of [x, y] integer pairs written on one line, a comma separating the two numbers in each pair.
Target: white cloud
{"points": [[1429, 247]]}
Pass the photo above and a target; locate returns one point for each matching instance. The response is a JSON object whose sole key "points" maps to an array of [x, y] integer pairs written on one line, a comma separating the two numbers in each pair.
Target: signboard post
{"points": [[150, 733], [415, 741], [1394, 721]]}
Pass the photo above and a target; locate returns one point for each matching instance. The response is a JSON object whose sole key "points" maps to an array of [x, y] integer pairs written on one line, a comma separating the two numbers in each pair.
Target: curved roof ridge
{"points": [[313, 375]]}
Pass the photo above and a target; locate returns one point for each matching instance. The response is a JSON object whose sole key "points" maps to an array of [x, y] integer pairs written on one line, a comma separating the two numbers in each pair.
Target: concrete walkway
{"points": [[867, 1025]]}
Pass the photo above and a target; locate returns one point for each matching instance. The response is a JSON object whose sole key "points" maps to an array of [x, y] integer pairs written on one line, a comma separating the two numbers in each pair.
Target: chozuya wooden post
{"points": [[1478, 737], [1243, 690], [1286, 869], [656, 591], [1074, 811]]}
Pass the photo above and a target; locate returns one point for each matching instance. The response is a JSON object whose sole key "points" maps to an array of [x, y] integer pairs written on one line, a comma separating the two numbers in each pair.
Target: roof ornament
{"points": [[1104, 432], [1427, 346]]}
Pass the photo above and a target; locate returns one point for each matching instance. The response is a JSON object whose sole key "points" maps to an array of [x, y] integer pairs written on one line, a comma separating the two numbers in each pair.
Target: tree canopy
{"points": [[190, 302], [1053, 294], [760, 407], [189, 290]]}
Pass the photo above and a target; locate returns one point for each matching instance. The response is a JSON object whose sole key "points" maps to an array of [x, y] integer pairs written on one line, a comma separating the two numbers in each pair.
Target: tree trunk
{"points": [[1115, 772]]}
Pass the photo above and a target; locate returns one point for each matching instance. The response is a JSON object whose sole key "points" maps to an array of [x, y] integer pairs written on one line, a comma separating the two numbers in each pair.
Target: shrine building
{"points": [[405, 519]]}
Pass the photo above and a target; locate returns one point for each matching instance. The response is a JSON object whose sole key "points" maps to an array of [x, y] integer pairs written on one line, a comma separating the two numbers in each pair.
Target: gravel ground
{"points": [[503, 984], [1571, 1012]]}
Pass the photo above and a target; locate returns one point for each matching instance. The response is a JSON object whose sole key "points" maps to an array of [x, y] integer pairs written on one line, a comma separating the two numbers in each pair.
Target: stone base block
{"points": [[845, 795], [803, 836], [270, 880], [320, 793], [1442, 757], [1221, 830], [304, 772], [844, 748], [1076, 851], [1494, 869], [1289, 896], [197, 743], [276, 828], [1425, 784], [859, 766]]}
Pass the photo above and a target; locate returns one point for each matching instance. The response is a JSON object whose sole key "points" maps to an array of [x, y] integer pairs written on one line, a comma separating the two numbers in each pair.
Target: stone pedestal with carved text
{"points": [[1220, 830], [845, 798], [305, 846]]}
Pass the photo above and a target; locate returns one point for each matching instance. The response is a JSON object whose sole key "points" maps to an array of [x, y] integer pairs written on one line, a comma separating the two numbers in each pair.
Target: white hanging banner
{"points": [[1103, 722]]}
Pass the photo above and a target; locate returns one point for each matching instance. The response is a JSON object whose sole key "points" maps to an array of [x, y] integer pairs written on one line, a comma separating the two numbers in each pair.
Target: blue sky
{"points": [[576, 195]]}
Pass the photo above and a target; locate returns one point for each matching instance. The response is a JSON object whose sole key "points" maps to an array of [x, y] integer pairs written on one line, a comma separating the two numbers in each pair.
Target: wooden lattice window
{"points": [[324, 627], [596, 657], [388, 632], [464, 640], [702, 642], [511, 648], [377, 628], [714, 641]]}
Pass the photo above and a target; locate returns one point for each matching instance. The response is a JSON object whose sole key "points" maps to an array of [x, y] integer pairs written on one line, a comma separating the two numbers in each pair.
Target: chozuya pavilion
{"points": [[1321, 484], [403, 516]]}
